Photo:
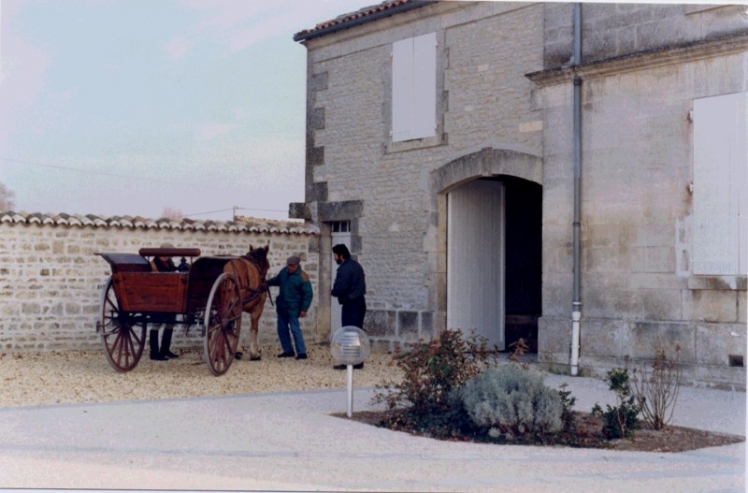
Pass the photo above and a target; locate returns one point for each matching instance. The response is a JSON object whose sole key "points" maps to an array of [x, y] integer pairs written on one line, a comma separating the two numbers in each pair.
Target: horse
{"points": [[250, 270]]}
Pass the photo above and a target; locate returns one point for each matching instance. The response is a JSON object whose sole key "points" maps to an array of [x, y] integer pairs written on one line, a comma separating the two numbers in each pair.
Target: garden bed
{"points": [[588, 435]]}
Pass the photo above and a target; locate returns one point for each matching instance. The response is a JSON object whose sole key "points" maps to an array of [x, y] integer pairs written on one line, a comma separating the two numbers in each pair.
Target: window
{"points": [[414, 88], [340, 226], [720, 185]]}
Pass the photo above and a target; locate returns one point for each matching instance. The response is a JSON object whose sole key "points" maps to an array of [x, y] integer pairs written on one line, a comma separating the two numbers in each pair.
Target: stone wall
{"points": [[505, 108], [618, 29], [385, 189], [638, 290], [51, 280]]}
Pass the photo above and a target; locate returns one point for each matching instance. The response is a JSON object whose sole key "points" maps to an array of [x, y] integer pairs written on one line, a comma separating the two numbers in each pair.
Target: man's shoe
{"points": [[286, 355], [301, 356], [359, 366], [159, 357], [169, 354]]}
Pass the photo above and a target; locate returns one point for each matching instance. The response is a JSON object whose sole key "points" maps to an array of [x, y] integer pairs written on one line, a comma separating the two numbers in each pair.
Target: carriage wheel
{"points": [[122, 336], [223, 322]]}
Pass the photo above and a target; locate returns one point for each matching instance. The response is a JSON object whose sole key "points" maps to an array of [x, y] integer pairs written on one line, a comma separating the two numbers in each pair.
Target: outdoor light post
{"points": [[350, 346]]}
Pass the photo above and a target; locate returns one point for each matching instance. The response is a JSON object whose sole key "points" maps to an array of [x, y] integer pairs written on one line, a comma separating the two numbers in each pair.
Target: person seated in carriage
{"points": [[164, 353]]}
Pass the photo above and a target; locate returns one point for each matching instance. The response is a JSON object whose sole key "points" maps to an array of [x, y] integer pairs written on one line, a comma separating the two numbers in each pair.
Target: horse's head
{"points": [[260, 257]]}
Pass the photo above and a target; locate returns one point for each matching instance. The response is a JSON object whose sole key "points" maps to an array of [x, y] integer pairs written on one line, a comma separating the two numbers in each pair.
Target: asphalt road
{"points": [[290, 442]]}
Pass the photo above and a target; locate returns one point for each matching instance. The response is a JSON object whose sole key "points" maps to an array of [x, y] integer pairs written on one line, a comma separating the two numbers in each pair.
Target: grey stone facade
{"points": [[504, 111]]}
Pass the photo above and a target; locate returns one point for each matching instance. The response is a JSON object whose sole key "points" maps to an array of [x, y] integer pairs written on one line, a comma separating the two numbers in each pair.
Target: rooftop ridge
{"points": [[239, 225]]}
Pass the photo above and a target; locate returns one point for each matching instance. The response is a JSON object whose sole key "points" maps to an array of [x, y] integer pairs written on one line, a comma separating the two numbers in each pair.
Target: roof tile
{"points": [[239, 225]]}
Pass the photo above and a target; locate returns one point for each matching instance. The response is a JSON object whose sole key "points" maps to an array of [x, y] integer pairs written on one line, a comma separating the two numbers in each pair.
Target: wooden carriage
{"points": [[135, 296]]}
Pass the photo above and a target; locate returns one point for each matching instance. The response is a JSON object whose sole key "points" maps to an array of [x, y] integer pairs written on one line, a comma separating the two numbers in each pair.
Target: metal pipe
{"points": [[576, 304], [349, 385], [577, 34]]}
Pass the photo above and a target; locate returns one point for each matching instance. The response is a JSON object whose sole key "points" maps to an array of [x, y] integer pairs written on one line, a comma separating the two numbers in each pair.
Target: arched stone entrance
{"points": [[489, 262]]}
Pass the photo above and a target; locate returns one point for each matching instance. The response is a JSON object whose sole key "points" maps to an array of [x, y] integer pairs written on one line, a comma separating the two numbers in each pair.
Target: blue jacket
{"points": [[295, 293]]}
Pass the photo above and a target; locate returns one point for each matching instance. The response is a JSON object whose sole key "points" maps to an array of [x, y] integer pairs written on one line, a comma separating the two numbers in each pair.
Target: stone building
{"points": [[574, 174]]}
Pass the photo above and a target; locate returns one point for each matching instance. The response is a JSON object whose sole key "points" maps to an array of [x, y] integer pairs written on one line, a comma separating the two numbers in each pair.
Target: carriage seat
{"points": [[169, 252], [125, 262]]}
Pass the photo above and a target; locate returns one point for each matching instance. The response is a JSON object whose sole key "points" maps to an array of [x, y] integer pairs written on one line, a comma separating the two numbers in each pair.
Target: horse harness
{"points": [[256, 293]]}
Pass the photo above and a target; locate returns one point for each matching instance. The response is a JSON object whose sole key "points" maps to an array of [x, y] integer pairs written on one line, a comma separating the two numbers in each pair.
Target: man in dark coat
{"points": [[163, 264], [292, 303], [349, 288]]}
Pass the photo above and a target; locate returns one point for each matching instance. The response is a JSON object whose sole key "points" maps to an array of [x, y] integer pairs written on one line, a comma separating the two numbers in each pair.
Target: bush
{"points": [[621, 420], [657, 388], [508, 400], [431, 373]]}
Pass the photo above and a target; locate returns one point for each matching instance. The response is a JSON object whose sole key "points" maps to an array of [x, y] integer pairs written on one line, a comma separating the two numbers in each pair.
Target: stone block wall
{"points": [[638, 291], [642, 66], [483, 101], [51, 280], [617, 29]]}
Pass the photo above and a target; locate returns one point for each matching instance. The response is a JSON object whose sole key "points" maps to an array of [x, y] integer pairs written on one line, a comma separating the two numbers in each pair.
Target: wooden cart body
{"points": [[140, 289], [136, 295]]}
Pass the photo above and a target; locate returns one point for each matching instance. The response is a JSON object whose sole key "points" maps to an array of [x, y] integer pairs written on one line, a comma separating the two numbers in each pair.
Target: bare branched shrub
{"points": [[7, 198], [519, 348], [657, 387], [172, 213]]}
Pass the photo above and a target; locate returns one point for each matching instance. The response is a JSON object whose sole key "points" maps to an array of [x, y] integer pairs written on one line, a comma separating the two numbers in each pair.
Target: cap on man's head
{"points": [[293, 260], [167, 245]]}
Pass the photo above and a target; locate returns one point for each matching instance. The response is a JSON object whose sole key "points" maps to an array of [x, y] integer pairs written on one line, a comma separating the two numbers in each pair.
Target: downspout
{"points": [[576, 303]]}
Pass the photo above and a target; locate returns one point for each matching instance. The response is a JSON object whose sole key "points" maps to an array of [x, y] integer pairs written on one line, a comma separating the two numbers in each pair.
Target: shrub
{"points": [[508, 400], [432, 371], [657, 388], [567, 401], [621, 420]]}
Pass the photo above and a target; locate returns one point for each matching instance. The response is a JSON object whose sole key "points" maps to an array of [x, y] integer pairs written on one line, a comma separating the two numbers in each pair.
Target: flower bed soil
{"points": [[588, 435]]}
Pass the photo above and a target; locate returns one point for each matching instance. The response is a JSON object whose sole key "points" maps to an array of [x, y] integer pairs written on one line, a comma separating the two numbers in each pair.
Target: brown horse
{"points": [[250, 270]]}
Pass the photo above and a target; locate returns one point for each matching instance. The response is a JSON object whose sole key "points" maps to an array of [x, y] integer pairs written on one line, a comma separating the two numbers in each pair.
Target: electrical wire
{"points": [[93, 172]]}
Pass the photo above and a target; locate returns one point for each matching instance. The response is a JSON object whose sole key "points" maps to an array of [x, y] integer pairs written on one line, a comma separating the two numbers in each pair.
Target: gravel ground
{"points": [[32, 379]]}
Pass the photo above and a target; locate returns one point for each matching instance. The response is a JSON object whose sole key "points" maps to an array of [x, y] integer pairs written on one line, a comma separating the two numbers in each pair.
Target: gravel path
{"points": [[32, 379]]}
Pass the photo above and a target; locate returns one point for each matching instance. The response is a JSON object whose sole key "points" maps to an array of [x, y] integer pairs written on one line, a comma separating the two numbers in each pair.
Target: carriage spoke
{"points": [[123, 345], [222, 323]]}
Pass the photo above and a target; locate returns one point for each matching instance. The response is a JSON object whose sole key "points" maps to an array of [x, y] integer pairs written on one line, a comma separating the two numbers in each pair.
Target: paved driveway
{"points": [[289, 442]]}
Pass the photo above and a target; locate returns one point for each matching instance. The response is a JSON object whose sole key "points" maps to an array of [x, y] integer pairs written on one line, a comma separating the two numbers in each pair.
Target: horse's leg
{"points": [[254, 348]]}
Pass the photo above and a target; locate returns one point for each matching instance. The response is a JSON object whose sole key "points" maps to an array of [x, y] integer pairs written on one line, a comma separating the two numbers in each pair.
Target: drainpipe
{"points": [[576, 304]]}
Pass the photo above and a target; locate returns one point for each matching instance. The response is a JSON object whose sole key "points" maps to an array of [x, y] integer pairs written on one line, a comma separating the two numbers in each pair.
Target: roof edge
{"points": [[360, 17]]}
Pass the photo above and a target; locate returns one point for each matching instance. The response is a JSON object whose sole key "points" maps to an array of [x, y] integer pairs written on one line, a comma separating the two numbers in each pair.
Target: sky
{"points": [[130, 107]]}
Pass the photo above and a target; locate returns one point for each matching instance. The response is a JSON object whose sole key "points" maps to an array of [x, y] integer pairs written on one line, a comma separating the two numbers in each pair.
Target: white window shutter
{"points": [[414, 88], [720, 185], [424, 86], [402, 89]]}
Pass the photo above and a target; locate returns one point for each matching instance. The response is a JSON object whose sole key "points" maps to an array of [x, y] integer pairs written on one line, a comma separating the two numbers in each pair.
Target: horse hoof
{"points": [[255, 358]]}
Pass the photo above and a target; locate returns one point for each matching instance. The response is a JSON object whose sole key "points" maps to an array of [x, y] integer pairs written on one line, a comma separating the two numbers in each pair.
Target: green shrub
{"points": [[508, 400], [432, 371], [621, 420]]}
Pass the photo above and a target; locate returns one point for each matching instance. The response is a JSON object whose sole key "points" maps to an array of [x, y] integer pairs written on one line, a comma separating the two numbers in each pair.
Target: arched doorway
{"points": [[490, 216]]}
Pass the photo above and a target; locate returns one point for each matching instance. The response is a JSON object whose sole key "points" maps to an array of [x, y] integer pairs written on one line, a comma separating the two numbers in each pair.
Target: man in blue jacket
{"points": [[293, 301]]}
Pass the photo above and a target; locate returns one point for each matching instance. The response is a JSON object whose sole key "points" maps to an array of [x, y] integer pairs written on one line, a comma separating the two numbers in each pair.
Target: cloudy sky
{"points": [[128, 107]]}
